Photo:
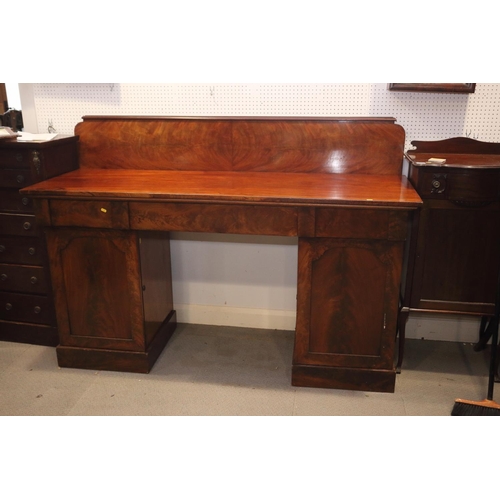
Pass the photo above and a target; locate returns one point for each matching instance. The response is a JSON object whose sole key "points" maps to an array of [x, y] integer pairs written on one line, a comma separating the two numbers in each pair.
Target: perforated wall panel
{"points": [[425, 116]]}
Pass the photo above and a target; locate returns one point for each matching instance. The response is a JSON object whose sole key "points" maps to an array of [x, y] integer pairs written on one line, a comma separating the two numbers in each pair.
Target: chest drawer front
{"points": [[18, 225], [15, 178], [12, 201], [99, 214], [474, 185], [19, 250], [28, 279], [25, 308], [16, 158]]}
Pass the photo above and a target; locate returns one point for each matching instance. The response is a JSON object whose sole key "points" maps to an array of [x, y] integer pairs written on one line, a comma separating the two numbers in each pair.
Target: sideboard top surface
{"points": [[232, 187]]}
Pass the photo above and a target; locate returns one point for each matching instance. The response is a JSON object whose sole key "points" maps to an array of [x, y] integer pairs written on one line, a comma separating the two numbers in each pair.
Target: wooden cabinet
{"points": [[455, 252], [112, 297], [26, 305], [336, 184], [347, 302]]}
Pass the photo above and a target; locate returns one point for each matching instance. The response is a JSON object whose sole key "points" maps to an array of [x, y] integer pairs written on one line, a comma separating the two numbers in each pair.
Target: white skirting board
{"points": [[235, 316], [446, 327], [429, 327]]}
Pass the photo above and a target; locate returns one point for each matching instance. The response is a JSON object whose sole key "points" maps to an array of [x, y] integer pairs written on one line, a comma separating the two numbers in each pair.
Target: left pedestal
{"points": [[113, 297]]}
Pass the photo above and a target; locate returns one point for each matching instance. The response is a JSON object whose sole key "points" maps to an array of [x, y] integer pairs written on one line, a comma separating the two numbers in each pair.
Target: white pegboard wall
{"points": [[425, 116]]}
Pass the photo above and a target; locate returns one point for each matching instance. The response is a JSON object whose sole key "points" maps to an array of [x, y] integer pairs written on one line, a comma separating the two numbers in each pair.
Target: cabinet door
{"points": [[457, 263], [97, 286], [347, 302]]}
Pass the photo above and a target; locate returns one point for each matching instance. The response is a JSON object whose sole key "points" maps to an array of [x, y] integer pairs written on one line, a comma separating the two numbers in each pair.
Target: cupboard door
{"points": [[457, 265], [97, 285], [347, 302]]}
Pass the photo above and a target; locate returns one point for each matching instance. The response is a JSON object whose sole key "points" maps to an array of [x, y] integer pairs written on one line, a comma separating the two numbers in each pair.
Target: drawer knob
{"points": [[27, 225], [103, 210], [31, 251], [20, 179], [25, 201], [19, 157], [3, 277], [37, 310], [436, 184], [2, 248], [34, 280], [8, 306]]}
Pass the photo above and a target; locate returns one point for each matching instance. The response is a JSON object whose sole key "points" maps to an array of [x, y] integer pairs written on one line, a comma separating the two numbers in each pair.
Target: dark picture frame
{"points": [[455, 88]]}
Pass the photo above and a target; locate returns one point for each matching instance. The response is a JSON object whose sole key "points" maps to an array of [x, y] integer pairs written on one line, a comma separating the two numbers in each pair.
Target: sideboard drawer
{"points": [[100, 214], [363, 223], [18, 278], [217, 218], [26, 308]]}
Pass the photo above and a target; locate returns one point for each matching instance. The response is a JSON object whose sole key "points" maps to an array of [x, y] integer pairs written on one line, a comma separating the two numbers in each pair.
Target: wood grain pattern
{"points": [[97, 288], [231, 187], [347, 296], [254, 144], [236, 219], [335, 183]]}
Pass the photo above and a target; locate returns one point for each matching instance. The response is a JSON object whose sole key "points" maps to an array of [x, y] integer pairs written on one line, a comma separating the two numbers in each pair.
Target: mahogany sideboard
{"points": [[26, 305], [454, 258], [335, 183]]}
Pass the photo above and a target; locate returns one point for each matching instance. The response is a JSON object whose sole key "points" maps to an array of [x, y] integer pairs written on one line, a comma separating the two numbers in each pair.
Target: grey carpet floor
{"points": [[210, 370]]}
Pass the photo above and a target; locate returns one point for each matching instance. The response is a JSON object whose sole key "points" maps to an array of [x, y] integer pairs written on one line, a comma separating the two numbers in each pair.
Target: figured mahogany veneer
{"points": [[334, 182], [312, 145]]}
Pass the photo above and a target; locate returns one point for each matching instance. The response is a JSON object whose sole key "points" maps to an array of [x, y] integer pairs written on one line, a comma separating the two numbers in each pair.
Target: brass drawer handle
{"points": [[36, 161], [27, 226]]}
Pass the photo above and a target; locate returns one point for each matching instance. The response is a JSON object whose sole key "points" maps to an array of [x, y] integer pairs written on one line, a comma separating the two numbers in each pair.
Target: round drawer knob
{"points": [[31, 251], [19, 157], [34, 280], [436, 184], [2, 248], [25, 201], [26, 226], [37, 310], [20, 179], [8, 306], [3, 277]]}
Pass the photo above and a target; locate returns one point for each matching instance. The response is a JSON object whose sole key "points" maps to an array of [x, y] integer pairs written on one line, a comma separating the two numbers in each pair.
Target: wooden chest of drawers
{"points": [[454, 258], [26, 304]]}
